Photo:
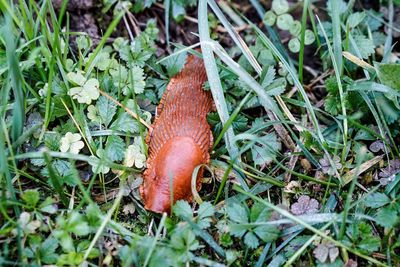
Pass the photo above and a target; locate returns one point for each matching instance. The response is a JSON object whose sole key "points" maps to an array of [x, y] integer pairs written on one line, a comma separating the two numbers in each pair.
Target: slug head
{"points": [[173, 165]]}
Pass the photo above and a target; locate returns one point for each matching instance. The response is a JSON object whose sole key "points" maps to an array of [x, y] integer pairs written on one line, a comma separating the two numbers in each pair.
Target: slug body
{"points": [[180, 139]]}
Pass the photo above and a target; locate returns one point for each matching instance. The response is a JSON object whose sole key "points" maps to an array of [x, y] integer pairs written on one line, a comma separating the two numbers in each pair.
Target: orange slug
{"points": [[179, 140]]}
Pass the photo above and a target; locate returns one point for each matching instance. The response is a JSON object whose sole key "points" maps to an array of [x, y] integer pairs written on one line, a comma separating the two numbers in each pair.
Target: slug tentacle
{"points": [[180, 139]]}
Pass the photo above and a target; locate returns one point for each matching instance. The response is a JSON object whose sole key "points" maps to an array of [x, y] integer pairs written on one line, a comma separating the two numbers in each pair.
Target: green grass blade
{"points": [[337, 36], [336, 66], [214, 79], [167, 6], [16, 81], [302, 38]]}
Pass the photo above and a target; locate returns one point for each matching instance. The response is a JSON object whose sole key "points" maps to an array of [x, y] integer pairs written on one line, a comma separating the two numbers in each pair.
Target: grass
{"points": [[304, 167]]}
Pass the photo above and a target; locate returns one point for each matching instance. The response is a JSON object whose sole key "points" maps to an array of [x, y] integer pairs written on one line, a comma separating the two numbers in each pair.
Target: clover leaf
{"points": [[71, 143], [86, 93], [134, 156]]}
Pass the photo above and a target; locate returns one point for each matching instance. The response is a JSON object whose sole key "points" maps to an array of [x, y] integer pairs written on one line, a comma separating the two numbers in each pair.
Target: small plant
{"points": [[279, 15]]}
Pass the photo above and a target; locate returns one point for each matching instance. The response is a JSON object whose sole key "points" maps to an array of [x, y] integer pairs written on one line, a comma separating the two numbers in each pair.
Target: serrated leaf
{"points": [[125, 123], [388, 74], [251, 240], [115, 148], [267, 233], [387, 217], [183, 210], [206, 210], [377, 200], [331, 105], [137, 79], [369, 244], [355, 18], [266, 152], [237, 213], [174, 64], [106, 109], [31, 197], [365, 46]]}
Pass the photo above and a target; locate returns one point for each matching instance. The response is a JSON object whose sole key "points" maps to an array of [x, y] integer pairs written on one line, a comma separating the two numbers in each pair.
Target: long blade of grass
{"points": [[167, 5], [302, 38], [214, 79], [337, 36], [16, 81], [338, 72]]}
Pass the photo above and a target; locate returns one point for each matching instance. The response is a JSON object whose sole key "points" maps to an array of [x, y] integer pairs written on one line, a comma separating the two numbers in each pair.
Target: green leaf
{"points": [[267, 233], [369, 244], [125, 123], [31, 197], [267, 76], [331, 105], [137, 80], [265, 152], [280, 6], [237, 213], [175, 63], [295, 28], [206, 210], [355, 18], [178, 11], [377, 200], [106, 109], [77, 224], [309, 37], [365, 45], [183, 210], [284, 22], [388, 74], [115, 148], [47, 251], [270, 18], [387, 217], [294, 45], [251, 240]]}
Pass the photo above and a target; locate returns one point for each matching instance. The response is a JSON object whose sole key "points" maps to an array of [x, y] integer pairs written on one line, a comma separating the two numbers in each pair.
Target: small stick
{"points": [[130, 112]]}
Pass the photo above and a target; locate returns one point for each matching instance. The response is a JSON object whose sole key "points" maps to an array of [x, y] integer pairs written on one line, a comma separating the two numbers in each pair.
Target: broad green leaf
{"points": [[237, 213], [355, 18], [377, 200], [115, 148], [106, 109], [175, 63], [31, 197], [388, 74], [183, 210]]}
